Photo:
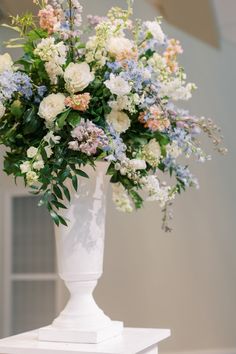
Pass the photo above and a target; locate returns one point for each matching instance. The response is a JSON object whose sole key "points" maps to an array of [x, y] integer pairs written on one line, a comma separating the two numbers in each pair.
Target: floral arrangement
{"points": [[69, 102]]}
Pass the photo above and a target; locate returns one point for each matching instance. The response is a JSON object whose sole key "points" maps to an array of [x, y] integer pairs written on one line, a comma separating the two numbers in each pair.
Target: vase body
{"points": [[80, 250]]}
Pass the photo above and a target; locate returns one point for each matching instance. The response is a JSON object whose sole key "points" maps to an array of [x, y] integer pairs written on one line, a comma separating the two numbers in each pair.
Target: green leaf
{"points": [[62, 220], [66, 192], [57, 191], [75, 182], [74, 119], [31, 121], [62, 119], [82, 173], [55, 217]]}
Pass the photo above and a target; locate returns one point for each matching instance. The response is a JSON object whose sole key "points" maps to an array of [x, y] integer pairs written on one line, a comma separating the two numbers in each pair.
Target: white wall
{"points": [[187, 280]]}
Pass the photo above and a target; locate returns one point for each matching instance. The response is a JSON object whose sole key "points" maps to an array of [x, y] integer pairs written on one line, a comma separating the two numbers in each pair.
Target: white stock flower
{"points": [[6, 62], [53, 70], [32, 152], [48, 51], [25, 167], [77, 77], [155, 29], [117, 45], [173, 150], [138, 164], [2, 110], [156, 192], [176, 90], [121, 198], [51, 138], [119, 120], [117, 85], [51, 106]]}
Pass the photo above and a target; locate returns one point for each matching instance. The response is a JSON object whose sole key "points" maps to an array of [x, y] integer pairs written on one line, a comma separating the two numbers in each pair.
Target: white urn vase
{"points": [[80, 250]]}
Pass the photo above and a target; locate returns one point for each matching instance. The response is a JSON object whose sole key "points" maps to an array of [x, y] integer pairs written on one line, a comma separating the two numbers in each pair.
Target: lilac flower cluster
{"points": [[88, 138]]}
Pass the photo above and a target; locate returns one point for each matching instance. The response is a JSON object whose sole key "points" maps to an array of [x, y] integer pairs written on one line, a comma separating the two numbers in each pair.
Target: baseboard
{"points": [[217, 351]]}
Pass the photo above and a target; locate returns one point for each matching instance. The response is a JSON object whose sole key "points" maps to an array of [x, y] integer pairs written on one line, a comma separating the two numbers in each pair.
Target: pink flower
{"points": [[48, 19], [78, 102], [88, 138]]}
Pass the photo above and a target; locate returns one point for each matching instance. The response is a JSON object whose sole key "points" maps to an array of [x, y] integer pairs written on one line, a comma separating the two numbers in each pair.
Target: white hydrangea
{"points": [[154, 28], [121, 198], [118, 86], [2, 110], [6, 62], [78, 77], [152, 152], [119, 120], [51, 106]]}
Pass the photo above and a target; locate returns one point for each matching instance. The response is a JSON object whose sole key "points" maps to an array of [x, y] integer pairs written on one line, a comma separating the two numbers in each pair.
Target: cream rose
{"points": [[119, 120], [77, 77], [117, 85], [6, 62], [117, 45], [2, 110], [155, 29], [32, 152], [51, 106]]}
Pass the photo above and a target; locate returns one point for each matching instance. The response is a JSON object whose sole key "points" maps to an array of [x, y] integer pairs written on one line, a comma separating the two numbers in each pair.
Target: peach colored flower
{"points": [[155, 121], [48, 19], [78, 102], [173, 50]]}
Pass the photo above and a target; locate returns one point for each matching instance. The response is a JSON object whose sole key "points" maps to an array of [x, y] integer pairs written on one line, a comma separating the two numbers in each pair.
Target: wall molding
{"points": [[216, 351]]}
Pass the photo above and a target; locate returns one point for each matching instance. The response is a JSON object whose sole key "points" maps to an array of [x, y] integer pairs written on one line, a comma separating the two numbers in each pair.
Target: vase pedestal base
{"points": [[52, 334], [132, 340]]}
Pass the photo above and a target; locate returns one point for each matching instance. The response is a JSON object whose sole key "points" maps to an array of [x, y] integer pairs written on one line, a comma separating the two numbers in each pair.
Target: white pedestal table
{"points": [[133, 341]]}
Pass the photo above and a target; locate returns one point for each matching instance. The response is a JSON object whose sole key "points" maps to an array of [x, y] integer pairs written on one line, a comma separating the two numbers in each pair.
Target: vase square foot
{"points": [[52, 334]]}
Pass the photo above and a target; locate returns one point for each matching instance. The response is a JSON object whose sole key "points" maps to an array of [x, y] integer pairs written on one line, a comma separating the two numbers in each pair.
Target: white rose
{"points": [[31, 177], [118, 86], [51, 106], [77, 77], [118, 45], [119, 120], [155, 29], [137, 164], [32, 152], [25, 167], [6, 62], [2, 110], [38, 165]]}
